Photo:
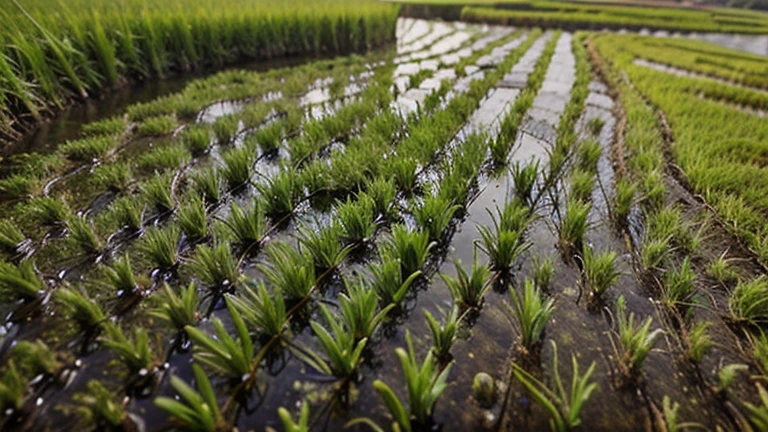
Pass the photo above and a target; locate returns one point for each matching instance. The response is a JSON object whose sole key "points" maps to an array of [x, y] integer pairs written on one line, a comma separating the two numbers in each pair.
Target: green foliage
{"points": [[727, 374], [224, 354], [83, 236], [543, 270], [469, 289], [115, 176], [158, 193], [88, 149], [98, 407], [387, 281], [302, 425], [126, 212], [13, 389], [589, 155], [624, 199], [120, 276], [443, 335], [238, 167], [48, 210], [582, 185], [359, 309], [434, 215], [163, 159], [178, 311], [506, 245], [263, 312], [383, 192], [324, 246], [207, 184], [599, 271], [225, 128], [678, 285], [215, 266], [199, 411], [699, 341], [34, 358], [289, 271], [636, 339], [135, 355], [722, 270], [248, 226], [532, 313], [161, 246], [748, 302], [574, 224], [357, 218], [411, 248], [524, 178], [160, 125], [197, 139], [193, 219], [19, 282], [282, 193], [78, 308], [343, 351]]}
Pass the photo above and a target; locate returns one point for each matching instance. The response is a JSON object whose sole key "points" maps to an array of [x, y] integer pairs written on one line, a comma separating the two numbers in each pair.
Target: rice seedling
{"points": [[434, 215], [524, 178], [199, 411], [678, 288], [224, 354], [383, 192], [405, 173], [156, 126], [653, 253], [443, 335], [247, 226], [164, 159], [110, 126], [34, 358], [193, 219], [225, 129], [324, 246], [196, 138], [469, 289], [207, 184], [543, 270], [387, 281], [83, 236], [505, 245], [759, 344], [343, 351], [238, 167], [127, 213], [88, 149], [595, 126], [624, 199], [425, 383], [268, 138], [532, 312], [410, 248], [727, 374], [654, 190], [357, 219], [301, 425], [574, 225], [19, 282], [159, 194], [722, 271], [19, 186], [215, 266], [78, 308], [599, 271], [635, 339], [564, 406], [265, 313], [582, 185], [11, 237], [97, 408], [281, 194], [161, 247], [589, 155], [115, 177], [670, 413], [177, 311], [48, 210], [13, 389], [758, 414], [748, 302], [135, 355], [289, 271], [121, 278], [699, 342]]}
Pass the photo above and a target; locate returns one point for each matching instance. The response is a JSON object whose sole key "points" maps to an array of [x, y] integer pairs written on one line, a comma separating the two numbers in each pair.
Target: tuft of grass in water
{"points": [[425, 383], [564, 407], [758, 414], [158, 194], [161, 247], [722, 271], [624, 199], [11, 236], [225, 129], [383, 192], [388, 283], [83, 236], [224, 354], [324, 246], [135, 355], [574, 224], [301, 425], [357, 218], [699, 342], [636, 339], [727, 374], [126, 212], [264, 313], [238, 167], [97, 407], [120, 276], [156, 126], [199, 411], [678, 288], [434, 215], [582, 185], [596, 126], [443, 335], [13, 389], [343, 351], [589, 156], [410, 248], [207, 184], [197, 139], [88, 149], [78, 308], [112, 126], [115, 177], [543, 270], [532, 313], [164, 159], [359, 310], [600, 272], [19, 282], [405, 172], [653, 190], [505, 245], [289, 271], [48, 210], [671, 413], [247, 226], [469, 289], [653, 253], [177, 310], [524, 177], [34, 358], [748, 302], [282, 193], [193, 220], [19, 186], [215, 266], [268, 138]]}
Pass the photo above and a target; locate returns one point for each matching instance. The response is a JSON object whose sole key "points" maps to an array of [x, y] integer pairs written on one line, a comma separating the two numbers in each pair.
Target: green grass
{"points": [[19, 282], [199, 411], [177, 310], [748, 302], [88, 149], [636, 339], [248, 226], [434, 215], [410, 248], [289, 271], [469, 289], [532, 313], [263, 312], [161, 247], [599, 272], [193, 219], [388, 282], [215, 266]]}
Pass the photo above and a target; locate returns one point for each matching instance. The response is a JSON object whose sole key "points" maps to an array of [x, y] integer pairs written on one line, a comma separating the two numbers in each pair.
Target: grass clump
{"points": [[215, 266], [289, 271], [197, 139], [574, 225], [505, 245], [264, 313], [78, 308], [224, 354], [238, 167], [156, 126], [48, 210], [247, 226], [357, 219], [543, 271], [722, 271], [302, 425], [582, 185], [13, 389], [135, 355], [116, 177], [388, 283], [83, 236], [111, 126], [161, 247], [126, 212], [469, 289], [11, 237], [96, 407], [282, 194], [434, 215], [635, 339], [164, 159], [589, 156], [159, 194], [225, 129], [443, 335], [624, 199], [177, 310], [34, 358], [19, 186], [359, 310], [678, 288], [324, 246], [699, 342], [599, 271], [193, 220], [207, 184], [19, 282], [88, 149], [343, 351], [524, 178], [532, 312], [748, 302], [383, 192], [121, 278], [199, 411], [410, 248]]}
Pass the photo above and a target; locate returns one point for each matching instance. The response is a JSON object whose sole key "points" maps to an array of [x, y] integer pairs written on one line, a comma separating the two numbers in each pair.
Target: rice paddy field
{"points": [[451, 226]]}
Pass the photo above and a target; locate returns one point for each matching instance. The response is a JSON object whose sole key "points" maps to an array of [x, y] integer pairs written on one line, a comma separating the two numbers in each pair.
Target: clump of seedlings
{"points": [[302, 425], [425, 383], [574, 225], [160, 125], [410, 248], [443, 335], [543, 271], [33, 359], [199, 411], [678, 288], [564, 406], [19, 186], [357, 219], [698, 342], [158, 191], [177, 310], [624, 199], [265, 313], [722, 271], [193, 220], [383, 192], [78, 308], [532, 312], [83, 236], [164, 159], [289, 271], [11, 237], [268, 138], [224, 354], [97, 408], [88, 149], [135, 355], [116, 177], [469, 289], [215, 266], [359, 309], [434, 215], [127, 213], [324, 247], [225, 129], [196, 138], [19, 282], [13, 389], [635, 339], [161, 247], [748, 302], [405, 172], [589, 156], [343, 350], [596, 126], [121, 278], [506, 245], [582, 184], [758, 414], [599, 270], [281, 194], [207, 184], [238, 167], [48, 210], [247, 226], [524, 178], [387, 280]]}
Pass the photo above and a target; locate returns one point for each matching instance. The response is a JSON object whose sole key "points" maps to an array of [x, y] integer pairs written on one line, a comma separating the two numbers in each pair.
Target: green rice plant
{"points": [[514, 216], [469, 289], [19, 282], [156, 126], [238, 167], [11, 236], [115, 177], [199, 411], [78, 308], [264, 313], [589, 155], [758, 414], [624, 199], [359, 310], [135, 355], [110, 126], [599, 271], [727, 374], [635, 340], [748, 302], [324, 246], [248, 226], [443, 335], [434, 215], [161, 247], [96, 407], [215, 266], [34, 358], [387, 281], [678, 288], [225, 129], [506, 245], [543, 271], [357, 219], [653, 253], [524, 178], [574, 224], [158, 193], [532, 312], [178, 311], [410, 248], [383, 192], [224, 354], [722, 271], [282, 193], [13, 389], [404, 170], [207, 184], [268, 138], [193, 220], [654, 190], [563, 405], [196, 138], [290, 272], [670, 413], [163, 159], [19, 186], [83, 236], [425, 383], [302, 425], [343, 351], [595, 126], [88, 149], [699, 342], [582, 185], [48, 210], [759, 344], [120, 276], [127, 213]]}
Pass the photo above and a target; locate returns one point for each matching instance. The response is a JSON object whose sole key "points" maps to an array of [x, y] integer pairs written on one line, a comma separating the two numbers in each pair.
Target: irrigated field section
{"points": [[480, 228]]}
